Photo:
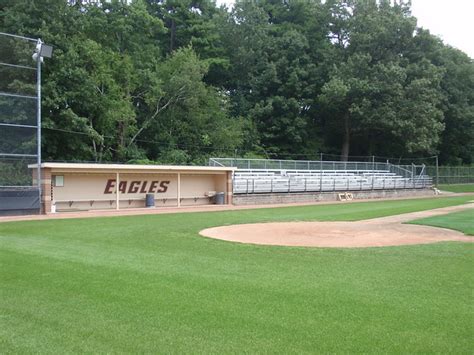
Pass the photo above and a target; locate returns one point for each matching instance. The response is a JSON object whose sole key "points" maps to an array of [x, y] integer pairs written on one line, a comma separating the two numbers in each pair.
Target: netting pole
{"points": [[437, 172], [38, 128], [321, 173]]}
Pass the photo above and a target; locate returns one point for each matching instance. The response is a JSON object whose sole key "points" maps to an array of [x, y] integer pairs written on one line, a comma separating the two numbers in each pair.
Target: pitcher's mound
{"points": [[334, 234]]}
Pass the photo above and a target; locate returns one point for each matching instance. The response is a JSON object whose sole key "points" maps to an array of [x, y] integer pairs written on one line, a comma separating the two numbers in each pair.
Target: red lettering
{"points": [[163, 186], [143, 189], [134, 186], [123, 187], [109, 186], [153, 186]]}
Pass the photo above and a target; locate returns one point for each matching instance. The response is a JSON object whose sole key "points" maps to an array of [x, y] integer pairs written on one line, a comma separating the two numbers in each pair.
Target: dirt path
{"points": [[190, 209], [377, 232]]}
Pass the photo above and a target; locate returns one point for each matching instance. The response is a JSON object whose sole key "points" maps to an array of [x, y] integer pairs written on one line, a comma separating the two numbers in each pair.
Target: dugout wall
{"points": [[79, 187]]}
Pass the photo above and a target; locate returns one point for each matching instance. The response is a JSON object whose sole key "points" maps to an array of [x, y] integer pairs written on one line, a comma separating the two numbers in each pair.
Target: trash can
{"points": [[150, 200], [219, 198]]}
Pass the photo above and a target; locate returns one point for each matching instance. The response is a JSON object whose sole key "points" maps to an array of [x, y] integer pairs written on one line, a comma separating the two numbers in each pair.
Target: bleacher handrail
{"points": [[280, 164]]}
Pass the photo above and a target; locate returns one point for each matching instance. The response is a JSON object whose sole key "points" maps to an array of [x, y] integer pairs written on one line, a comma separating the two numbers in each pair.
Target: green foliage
{"points": [[182, 80], [375, 96], [151, 284]]}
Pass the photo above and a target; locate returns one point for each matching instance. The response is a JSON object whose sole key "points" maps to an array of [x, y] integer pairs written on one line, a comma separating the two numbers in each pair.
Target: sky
{"points": [[451, 20]]}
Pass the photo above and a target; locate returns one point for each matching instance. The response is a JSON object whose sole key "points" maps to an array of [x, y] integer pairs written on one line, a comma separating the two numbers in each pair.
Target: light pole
{"points": [[41, 51]]}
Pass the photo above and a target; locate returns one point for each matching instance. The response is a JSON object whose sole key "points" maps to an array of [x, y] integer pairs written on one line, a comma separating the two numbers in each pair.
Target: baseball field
{"points": [[152, 283]]}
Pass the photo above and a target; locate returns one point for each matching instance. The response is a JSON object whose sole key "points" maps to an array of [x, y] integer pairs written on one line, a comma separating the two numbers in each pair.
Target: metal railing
{"points": [[276, 164], [406, 171]]}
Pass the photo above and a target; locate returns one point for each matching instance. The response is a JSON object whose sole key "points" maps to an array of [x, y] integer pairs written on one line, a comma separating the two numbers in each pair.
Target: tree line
{"points": [[178, 81]]}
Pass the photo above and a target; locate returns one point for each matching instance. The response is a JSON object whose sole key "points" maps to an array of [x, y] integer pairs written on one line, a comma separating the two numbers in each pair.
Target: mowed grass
{"points": [[152, 284], [462, 221], [457, 188]]}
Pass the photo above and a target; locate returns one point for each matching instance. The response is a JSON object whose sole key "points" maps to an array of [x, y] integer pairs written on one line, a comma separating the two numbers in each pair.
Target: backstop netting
{"points": [[19, 193]]}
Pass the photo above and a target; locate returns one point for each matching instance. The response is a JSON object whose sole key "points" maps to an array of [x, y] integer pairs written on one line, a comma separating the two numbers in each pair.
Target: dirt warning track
{"points": [[377, 232]]}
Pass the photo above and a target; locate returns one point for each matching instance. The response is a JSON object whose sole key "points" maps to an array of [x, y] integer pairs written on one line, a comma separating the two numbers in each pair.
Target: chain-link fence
{"points": [[453, 174], [19, 193]]}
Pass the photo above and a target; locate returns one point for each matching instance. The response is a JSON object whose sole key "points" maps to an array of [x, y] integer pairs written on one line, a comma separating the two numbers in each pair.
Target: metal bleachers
{"points": [[254, 181], [267, 175]]}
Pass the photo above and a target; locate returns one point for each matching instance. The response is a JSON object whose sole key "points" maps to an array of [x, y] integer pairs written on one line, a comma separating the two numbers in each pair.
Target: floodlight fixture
{"points": [[42, 51], [46, 51]]}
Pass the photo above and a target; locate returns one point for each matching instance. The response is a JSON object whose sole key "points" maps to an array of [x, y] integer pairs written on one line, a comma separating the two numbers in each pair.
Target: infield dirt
{"points": [[377, 232]]}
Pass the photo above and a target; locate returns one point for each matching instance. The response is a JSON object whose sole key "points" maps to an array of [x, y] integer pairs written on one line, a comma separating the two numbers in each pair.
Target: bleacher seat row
{"points": [[268, 181]]}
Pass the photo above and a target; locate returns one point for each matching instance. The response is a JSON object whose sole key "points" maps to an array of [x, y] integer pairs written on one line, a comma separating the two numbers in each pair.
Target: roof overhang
{"points": [[131, 168]]}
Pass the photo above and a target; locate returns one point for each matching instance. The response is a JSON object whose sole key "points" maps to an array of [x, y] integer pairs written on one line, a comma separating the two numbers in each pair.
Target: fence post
{"points": [[437, 172], [321, 174]]}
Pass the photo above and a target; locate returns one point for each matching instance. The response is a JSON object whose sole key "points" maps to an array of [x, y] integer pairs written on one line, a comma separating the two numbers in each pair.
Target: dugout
{"points": [[80, 187]]}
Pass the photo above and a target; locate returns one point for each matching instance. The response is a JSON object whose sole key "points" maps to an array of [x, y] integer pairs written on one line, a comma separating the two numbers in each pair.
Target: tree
{"points": [[273, 74], [457, 96], [457, 140], [179, 80], [187, 115], [375, 95]]}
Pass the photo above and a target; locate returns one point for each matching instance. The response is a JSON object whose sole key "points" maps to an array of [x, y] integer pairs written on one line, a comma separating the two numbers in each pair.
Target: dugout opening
{"points": [[84, 187]]}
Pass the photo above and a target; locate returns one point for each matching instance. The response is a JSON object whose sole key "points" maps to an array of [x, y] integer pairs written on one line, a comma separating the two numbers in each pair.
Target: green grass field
{"points": [[152, 284], [462, 221], [457, 188]]}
